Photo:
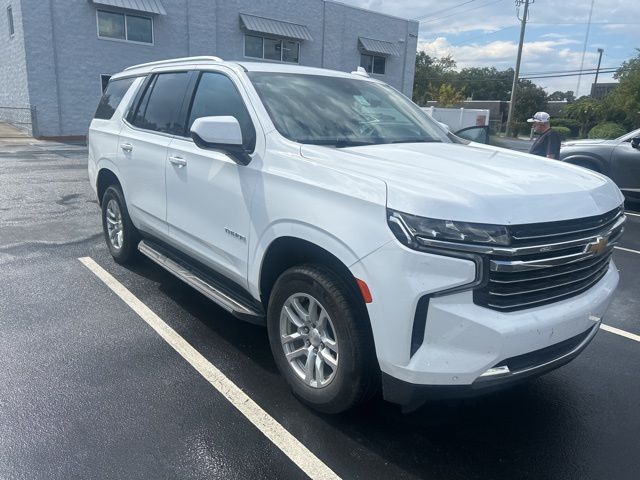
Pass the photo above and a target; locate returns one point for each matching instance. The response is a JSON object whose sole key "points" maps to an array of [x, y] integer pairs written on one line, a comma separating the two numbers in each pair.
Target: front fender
{"points": [[583, 159], [304, 231]]}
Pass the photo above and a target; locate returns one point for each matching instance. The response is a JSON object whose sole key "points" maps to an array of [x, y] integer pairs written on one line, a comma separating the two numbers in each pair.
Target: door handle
{"points": [[127, 147], [178, 161]]}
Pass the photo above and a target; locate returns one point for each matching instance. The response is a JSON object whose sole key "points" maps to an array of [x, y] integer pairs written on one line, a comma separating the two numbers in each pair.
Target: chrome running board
{"points": [[207, 286]]}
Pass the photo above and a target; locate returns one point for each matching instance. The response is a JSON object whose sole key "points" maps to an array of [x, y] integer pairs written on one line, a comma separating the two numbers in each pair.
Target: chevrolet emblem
{"points": [[597, 247]]}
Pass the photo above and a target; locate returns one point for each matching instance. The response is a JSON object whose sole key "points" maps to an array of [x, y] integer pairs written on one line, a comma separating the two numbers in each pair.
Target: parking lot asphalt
{"points": [[89, 390]]}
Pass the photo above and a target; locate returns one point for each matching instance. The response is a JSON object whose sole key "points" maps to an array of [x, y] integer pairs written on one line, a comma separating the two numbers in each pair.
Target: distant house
{"points": [[599, 90]]}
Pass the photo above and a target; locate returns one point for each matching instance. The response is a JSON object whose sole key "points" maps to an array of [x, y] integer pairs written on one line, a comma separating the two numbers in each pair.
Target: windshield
{"points": [[629, 136], [341, 112]]}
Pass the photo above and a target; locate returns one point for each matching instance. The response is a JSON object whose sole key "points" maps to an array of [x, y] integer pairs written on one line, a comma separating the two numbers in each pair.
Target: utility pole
{"points": [[517, 71], [584, 48], [593, 89]]}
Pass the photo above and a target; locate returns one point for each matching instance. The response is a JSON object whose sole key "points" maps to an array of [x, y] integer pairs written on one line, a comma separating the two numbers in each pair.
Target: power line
{"points": [[579, 75], [549, 74], [586, 23], [463, 11], [521, 77], [466, 41], [592, 70], [444, 10]]}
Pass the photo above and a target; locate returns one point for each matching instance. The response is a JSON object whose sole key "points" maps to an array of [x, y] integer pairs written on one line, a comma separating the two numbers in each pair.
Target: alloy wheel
{"points": [[114, 224], [309, 340]]}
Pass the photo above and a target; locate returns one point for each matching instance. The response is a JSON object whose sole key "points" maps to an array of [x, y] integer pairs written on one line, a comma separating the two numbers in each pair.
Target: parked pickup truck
{"points": [[378, 249]]}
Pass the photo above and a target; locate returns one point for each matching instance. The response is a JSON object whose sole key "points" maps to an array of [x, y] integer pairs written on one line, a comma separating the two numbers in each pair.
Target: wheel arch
{"points": [[105, 178], [287, 251], [586, 160]]}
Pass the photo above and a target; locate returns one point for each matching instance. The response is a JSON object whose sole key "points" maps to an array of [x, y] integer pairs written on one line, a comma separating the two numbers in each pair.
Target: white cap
{"points": [[540, 117]]}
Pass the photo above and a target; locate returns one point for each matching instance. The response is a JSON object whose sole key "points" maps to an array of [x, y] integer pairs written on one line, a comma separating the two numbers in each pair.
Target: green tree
{"points": [[449, 96], [623, 104], [529, 100], [587, 111], [430, 74], [486, 83], [560, 96]]}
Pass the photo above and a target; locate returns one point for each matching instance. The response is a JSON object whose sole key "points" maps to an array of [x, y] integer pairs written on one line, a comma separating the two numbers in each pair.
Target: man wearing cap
{"points": [[548, 143]]}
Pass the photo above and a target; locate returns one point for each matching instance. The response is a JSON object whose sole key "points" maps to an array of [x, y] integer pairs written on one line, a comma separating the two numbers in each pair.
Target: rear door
{"points": [[625, 168], [144, 138], [208, 193], [103, 130]]}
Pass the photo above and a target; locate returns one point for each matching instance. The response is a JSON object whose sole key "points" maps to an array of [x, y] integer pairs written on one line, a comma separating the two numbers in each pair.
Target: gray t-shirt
{"points": [[547, 144]]}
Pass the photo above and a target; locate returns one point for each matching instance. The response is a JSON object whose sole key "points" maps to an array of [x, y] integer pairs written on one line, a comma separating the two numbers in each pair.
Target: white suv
{"points": [[376, 247]]}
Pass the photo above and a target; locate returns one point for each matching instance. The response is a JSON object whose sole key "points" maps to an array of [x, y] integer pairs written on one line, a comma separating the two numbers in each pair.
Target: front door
{"points": [[625, 168], [208, 193]]}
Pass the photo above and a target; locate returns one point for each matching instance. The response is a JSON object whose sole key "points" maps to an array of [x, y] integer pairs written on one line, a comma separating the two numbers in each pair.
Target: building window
{"points": [[10, 19], [124, 26], [272, 49], [373, 63]]}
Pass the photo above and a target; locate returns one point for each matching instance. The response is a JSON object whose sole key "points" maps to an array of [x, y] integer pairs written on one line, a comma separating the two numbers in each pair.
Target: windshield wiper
{"points": [[337, 143], [417, 140]]}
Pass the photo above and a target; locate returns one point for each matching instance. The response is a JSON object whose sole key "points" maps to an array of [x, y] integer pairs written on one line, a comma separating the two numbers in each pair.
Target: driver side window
{"points": [[216, 95]]}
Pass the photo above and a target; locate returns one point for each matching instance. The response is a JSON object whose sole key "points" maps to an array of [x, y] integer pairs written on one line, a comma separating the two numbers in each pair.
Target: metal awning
{"points": [[146, 6], [269, 26], [378, 47]]}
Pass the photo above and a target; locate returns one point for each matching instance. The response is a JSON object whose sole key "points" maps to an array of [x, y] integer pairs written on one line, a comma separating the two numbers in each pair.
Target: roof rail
{"points": [[175, 60]]}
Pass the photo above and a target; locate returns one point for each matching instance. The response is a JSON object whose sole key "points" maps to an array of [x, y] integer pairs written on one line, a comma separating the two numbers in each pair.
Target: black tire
{"points": [[356, 377], [127, 252]]}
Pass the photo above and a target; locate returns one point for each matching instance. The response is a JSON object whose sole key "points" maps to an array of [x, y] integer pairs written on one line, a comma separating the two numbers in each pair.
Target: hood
{"points": [[475, 183], [585, 142]]}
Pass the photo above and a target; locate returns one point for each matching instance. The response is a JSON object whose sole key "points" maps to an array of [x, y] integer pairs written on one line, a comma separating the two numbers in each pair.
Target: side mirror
{"points": [[635, 142], [479, 134], [220, 133], [444, 126]]}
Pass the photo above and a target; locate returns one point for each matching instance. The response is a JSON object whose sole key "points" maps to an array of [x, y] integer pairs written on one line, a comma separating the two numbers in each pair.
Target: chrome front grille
{"points": [[549, 262]]}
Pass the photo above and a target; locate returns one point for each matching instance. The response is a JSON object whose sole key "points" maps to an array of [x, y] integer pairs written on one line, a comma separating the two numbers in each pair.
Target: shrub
{"points": [[563, 132], [607, 131], [572, 125]]}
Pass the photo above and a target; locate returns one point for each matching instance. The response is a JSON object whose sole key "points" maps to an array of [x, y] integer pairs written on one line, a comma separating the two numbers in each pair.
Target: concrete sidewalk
{"points": [[9, 131]]}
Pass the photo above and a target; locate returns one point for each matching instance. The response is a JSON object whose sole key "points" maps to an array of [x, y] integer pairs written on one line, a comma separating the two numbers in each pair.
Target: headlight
{"points": [[411, 228]]}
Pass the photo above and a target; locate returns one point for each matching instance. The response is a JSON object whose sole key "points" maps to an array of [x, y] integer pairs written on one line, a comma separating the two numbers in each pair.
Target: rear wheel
{"points": [[321, 343], [120, 234]]}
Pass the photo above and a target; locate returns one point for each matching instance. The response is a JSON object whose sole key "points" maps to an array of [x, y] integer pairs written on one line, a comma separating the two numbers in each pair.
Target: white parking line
{"points": [[622, 333], [290, 446], [628, 250], [632, 214]]}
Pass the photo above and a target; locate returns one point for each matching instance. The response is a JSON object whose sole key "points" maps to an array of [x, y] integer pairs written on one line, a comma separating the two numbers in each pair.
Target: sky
{"points": [[485, 33]]}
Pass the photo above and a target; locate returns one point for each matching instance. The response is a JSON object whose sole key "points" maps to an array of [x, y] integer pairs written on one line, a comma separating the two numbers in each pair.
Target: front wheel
{"points": [[321, 343]]}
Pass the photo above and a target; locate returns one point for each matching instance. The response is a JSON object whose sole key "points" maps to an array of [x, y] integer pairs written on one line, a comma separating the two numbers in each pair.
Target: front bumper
{"points": [[533, 364], [462, 340]]}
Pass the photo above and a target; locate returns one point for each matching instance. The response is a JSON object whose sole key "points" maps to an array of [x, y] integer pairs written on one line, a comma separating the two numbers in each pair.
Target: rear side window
{"points": [[112, 97], [216, 95], [159, 108]]}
